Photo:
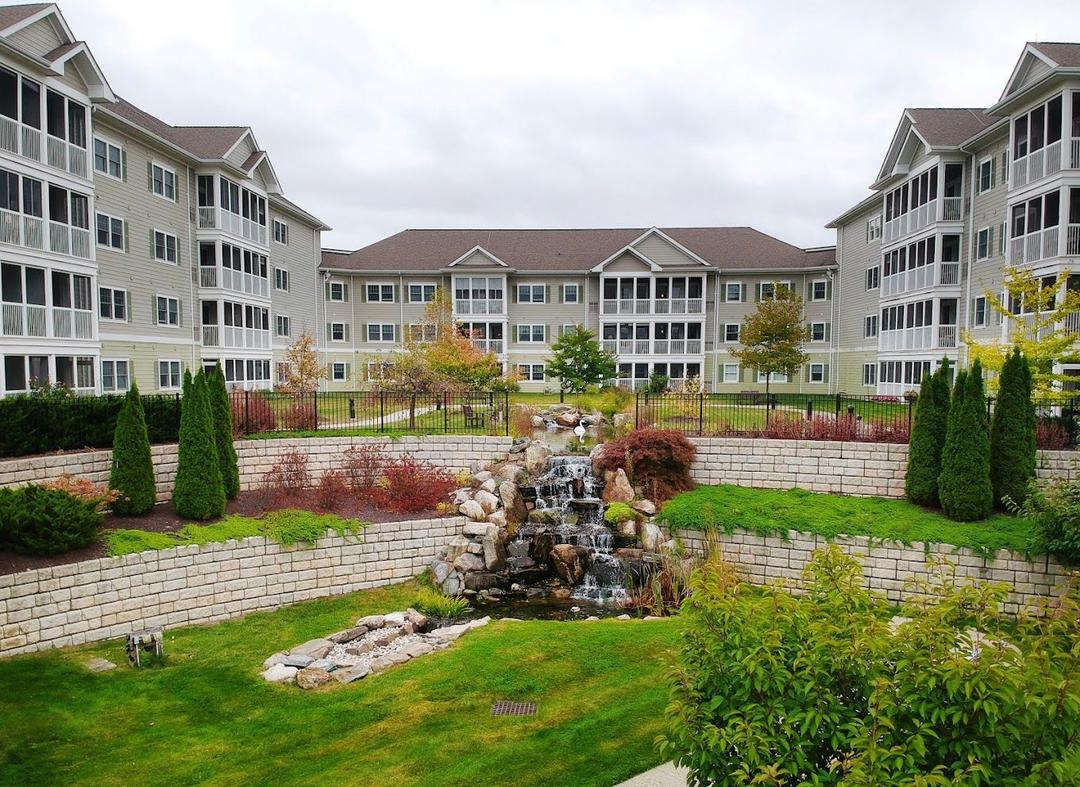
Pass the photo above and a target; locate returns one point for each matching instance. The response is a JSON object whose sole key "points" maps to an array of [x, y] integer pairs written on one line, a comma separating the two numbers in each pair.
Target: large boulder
{"points": [[313, 648], [646, 507], [458, 545], [497, 518], [617, 487], [494, 550], [312, 677], [545, 516], [626, 528], [279, 673], [536, 458], [570, 562], [473, 510], [652, 537], [488, 502], [453, 584], [512, 472], [569, 418], [513, 503], [469, 562], [481, 478]]}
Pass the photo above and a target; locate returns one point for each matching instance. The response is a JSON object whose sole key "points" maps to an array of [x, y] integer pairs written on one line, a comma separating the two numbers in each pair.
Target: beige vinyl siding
{"points": [[666, 255], [988, 210], [40, 38], [298, 258], [857, 302], [241, 152], [143, 357]]}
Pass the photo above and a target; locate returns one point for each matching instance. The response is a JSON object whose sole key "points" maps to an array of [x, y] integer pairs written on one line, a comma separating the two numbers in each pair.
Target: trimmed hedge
{"points": [[928, 438], [132, 465], [964, 486], [39, 424], [199, 492], [1012, 433], [36, 520]]}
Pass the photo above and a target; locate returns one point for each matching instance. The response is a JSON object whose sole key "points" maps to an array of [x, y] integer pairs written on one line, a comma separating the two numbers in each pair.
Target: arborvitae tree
{"points": [[221, 408], [1012, 432], [964, 486], [199, 491], [928, 438], [132, 467]]}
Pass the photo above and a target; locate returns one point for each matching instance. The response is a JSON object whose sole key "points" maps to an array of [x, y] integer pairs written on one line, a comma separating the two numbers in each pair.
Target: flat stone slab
{"points": [[100, 665], [279, 673], [348, 635], [315, 648], [372, 622], [348, 675], [323, 664], [389, 660], [298, 661], [277, 658]]}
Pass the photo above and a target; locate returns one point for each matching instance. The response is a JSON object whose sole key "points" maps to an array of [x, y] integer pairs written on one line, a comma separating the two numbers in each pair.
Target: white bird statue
{"points": [[579, 430]]}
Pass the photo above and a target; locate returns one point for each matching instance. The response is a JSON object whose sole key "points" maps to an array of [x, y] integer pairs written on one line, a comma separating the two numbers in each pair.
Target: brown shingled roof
{"points": [[13, 14], [1067, 55], [949, 127], [569, 249], [61, 50], [204, 142]]}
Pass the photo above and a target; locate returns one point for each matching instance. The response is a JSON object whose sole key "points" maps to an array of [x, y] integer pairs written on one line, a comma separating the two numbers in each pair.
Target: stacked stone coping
{"points": [[110, 597], [888, 566], [849, 468], [256, 457]]}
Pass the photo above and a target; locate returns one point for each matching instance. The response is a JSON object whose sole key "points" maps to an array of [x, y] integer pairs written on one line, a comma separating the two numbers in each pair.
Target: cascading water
{"points": [[572, 496]]}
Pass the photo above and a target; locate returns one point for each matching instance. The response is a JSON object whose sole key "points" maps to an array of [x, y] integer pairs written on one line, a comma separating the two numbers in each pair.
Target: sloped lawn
{"points": [[206, 716]]}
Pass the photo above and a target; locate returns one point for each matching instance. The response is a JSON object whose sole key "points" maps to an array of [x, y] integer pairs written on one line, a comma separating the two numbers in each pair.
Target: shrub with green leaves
{"points": [[37, 520], [199, 492], [1012, 432], [221, 408], [964, 484], [435, 604], [132, 472], [619, 512], [774, 688], [927, 440], [1054, 513]]}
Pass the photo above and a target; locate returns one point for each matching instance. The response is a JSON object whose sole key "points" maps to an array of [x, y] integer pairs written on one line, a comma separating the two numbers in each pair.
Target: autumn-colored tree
{"points": [[772, 337], [302, 368], [1036, 330]]}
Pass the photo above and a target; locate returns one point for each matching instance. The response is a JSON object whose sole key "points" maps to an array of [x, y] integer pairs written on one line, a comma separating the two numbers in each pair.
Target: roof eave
{"points": [[1007, 103]]}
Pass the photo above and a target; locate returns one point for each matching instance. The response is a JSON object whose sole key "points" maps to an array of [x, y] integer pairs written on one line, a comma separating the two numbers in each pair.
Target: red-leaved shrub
{"points": [[251, 413], [332, 488], [890, 432], [364, 465], [408, 485], [300, 417], [289, 478], [655, 460], [1050, 435]]}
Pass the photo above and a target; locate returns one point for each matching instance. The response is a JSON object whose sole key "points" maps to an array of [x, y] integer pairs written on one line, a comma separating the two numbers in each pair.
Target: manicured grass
{"points": [[207, 717], [287, 527], [774, 512]]}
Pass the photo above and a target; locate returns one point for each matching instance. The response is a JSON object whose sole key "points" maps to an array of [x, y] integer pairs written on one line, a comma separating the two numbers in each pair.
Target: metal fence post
{"points": [[839, 405], [315, 407], [809, 409], [506, 410], [382, 410], [247, 412], [446, 412], [701, 414], [637, 410]]}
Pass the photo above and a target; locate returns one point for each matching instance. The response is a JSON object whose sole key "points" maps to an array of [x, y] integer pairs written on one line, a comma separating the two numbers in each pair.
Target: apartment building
{"points": [[668, 301], [962, 193], [132, 249]]}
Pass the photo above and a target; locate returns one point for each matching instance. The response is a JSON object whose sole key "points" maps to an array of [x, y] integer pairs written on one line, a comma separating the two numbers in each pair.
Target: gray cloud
{"points": [[384, 116]]}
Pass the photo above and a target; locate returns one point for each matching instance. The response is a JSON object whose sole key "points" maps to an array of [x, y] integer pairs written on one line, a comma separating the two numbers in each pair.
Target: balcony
{"points": [[234, 281], [20, 230], [1034, 246], [938, 273], [1072, 239], [20, 139], [1071, 324], [478, 306], [72, 323], [234, 337], [655, 347], [653, 306], [65, 156], [212, 218], [924, 337], [21, 319], [913, 221], [1039, 164], [952, 208], [488, 345]]}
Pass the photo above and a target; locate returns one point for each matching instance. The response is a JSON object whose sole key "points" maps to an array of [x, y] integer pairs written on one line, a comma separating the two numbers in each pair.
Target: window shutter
{"points": [[126, 227], [547, 293], [990, 241], [364, 335], [513, 333], [562, 294], [329, 371], [809, 291], [828, 289], [757, 292], [152, 256], [1005, 167], [397, 295], [153, 310], [828, 330], [346, 333], [326, 290], [723, 293], [825, 373], [547, 333], [348, 371], [345, 292], [150, 176], [123, 165], [742, 293], [807, 370], [127, 309], [329, 332], [176, 189], [513, 294], [179, 311]]}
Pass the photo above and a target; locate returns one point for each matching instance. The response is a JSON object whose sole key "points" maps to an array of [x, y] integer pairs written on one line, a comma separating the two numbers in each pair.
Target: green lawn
{"points": [[774, 512], [207, 717]]}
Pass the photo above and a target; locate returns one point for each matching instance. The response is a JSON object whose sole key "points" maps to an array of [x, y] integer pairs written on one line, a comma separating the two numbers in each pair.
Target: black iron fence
{"points": [[838, 416], [378, 412]]}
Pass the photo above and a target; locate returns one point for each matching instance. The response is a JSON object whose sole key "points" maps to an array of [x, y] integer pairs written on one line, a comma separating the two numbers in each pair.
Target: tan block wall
{"points": [[889, 567], [113, 596]]}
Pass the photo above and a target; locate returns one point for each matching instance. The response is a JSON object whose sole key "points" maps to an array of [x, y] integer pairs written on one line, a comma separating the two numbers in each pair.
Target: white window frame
{"points": [[531, 289], [1003, 231], [813, 327], [127, 374], [380, 285], [975, 321], [728, 369], [532, 333], [337, 366], [112, 304], [873, 229], [164, 186], [179, 375], [738, 285], [738, 332], [176, 247], [984, 232], [284, 232], [281, 276], [567, 287], [278, 318], [528, 372], [876, 270], [111, 219], [382, 326], [341, 291], [119, 157], [820, 372], [421, 332], [774, 377], [157, 310], [989, 163], [824, 293], [871, 320], [869, 380], [423, 285], [334, 325], [774, 284]]}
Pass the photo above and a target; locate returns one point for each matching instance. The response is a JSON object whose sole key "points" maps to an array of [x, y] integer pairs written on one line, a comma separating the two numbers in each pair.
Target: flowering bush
{"points": [[656, 460], [1051, 434], [408, 485]]}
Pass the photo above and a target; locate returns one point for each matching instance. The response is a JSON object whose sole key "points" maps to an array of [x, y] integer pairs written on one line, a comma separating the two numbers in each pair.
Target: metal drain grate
{"points": [[508, 708]]}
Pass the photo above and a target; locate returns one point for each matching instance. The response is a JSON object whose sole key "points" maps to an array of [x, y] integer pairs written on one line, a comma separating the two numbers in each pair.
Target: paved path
{"points": [[389, 418], [666, 775]]}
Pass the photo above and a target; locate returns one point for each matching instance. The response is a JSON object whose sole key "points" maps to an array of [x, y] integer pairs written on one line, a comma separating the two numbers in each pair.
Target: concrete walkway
{"points": [[666, 775]]}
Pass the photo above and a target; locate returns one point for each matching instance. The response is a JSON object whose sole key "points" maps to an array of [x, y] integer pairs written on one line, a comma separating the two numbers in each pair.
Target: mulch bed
{"points": [[163, 519]]}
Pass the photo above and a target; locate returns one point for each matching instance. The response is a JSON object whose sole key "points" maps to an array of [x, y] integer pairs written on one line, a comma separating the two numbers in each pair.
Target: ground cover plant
{"points": [[775, 688], [726, 507], [205, 716]]}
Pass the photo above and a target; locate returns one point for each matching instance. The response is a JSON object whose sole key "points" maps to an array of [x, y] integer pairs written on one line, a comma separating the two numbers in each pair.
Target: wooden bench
{"points": [[750, 397], [473, 418]]}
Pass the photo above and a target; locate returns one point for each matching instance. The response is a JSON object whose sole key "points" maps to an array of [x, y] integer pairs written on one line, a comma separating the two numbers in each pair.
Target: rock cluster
{"points": [[375, 643]]}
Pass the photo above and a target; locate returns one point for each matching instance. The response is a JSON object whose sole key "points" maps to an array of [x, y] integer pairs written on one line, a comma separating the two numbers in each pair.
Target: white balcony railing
{"points": [[478, 306], [234, 281], [946, 336], [655, 347], [1039, 164], [72, 323], [1072, 239], [20, 139], [952, 208], [910, 280], [920, 338], [1071, 323], [23, 319], [948, 273], [211, 336], [215, 218], [244, 338], [77, 160], [1034, 246], [208, 276], [488, 345], [1074, 156], [654, 306]]}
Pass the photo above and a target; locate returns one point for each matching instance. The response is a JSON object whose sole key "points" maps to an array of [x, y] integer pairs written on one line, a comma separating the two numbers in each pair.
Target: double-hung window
{"points": [[422, 293], [107, 158], [733, 291], [169, 375], [873, 277], [531, 372], [168, 310], [165, 247], [531, 293], [731, 332], [110, 232], [115, 376], [571, 293], [985, 175], [982, 244], [281, 232], [380, 332], [281, 325], [163, 181], [870, 326], [380, 293], [281, 279], [819, 290], [531, 333], [112, 304]]}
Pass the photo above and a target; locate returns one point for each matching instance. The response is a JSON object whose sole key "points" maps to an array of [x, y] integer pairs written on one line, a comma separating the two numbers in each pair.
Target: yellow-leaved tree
{"points": [[1039, 330], [302, 368]]}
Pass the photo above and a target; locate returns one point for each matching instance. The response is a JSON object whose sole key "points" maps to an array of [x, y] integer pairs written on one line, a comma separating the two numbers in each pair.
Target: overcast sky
{"points": [[379, 116]]}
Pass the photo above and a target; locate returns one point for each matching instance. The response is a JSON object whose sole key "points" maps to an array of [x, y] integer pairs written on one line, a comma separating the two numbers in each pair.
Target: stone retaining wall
{"points": [[256, 457], [110, 597], [850, 468], [888, 567]]}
